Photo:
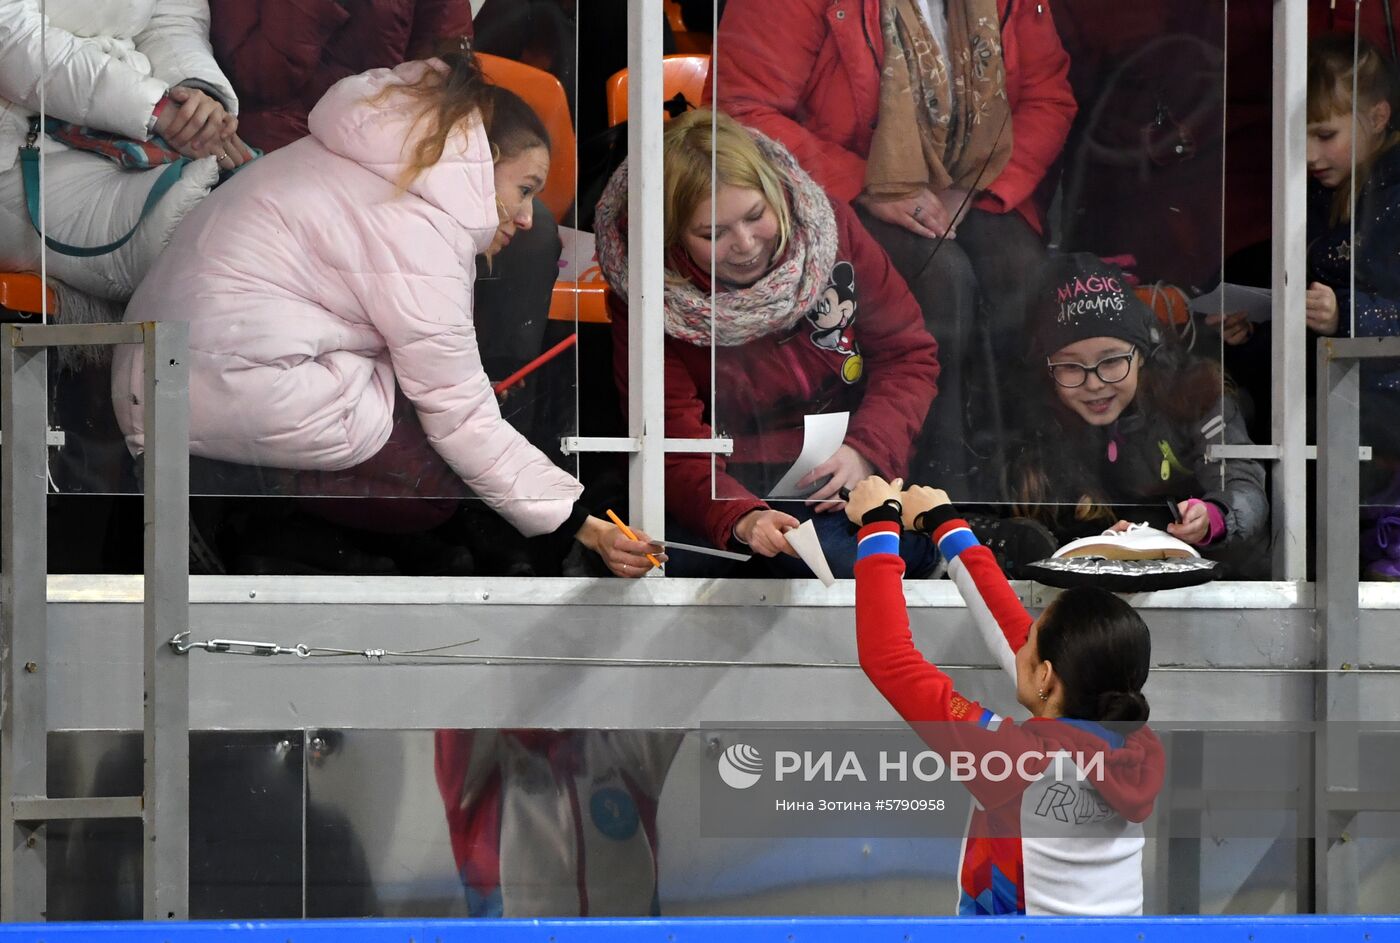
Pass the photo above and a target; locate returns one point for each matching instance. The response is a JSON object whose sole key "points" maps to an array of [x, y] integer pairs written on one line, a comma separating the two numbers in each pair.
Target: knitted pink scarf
{"points": [[771, 305]]}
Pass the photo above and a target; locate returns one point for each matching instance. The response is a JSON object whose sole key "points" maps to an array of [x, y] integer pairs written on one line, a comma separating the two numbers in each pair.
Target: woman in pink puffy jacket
{"points": [[329, 290]]}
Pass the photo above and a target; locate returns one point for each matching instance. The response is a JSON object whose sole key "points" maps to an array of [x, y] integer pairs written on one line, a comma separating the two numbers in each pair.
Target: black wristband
{"points": [[890, 511], [934, 518]]}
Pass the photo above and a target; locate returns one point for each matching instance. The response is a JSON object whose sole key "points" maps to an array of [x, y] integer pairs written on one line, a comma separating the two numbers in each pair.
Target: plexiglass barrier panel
{"points": [[1353, 266], [249, 817], [381, 292], [989, 260], [637, 823]]}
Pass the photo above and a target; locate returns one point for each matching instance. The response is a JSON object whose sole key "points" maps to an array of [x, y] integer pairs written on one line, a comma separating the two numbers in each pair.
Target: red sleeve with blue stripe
{"points": [[917, 689], [920, 691], [995, 608]]}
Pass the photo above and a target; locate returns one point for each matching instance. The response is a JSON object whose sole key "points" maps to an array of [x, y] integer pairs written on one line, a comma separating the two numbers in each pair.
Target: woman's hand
{"points": [[1195, 523], [1235, 328], [233, 153], [195, 124], [764, 529], [624, 557], [922, 214], [870, 494], [1322, 309], [847, 468], [919, 499]]}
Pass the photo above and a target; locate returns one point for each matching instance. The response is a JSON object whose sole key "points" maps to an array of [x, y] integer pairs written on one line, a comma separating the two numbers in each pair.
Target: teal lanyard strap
{"points": [[29, 163]]}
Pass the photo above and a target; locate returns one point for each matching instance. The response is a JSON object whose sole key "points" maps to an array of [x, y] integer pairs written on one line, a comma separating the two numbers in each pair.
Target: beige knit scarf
{"points": [[952, 101]]}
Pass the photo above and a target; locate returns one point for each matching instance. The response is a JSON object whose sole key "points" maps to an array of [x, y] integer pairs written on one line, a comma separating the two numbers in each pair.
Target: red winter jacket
{"points": [[813, 83], [764, 388], [282, 55]]}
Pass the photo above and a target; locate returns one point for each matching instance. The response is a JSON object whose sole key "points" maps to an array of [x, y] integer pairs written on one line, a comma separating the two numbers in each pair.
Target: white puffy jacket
{"points": [[109, 62]]}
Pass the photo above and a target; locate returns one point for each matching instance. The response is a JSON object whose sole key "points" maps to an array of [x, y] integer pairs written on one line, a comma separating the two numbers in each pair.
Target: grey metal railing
{"points": [[25, 807], [1338, 611]]}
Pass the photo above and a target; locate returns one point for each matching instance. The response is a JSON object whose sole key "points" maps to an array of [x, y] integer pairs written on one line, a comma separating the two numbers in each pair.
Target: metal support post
{"points": [[24, 663], [646, 414], [165, 789], [1338, 706], [1289, 278], [25, 807], [1338, 612]]}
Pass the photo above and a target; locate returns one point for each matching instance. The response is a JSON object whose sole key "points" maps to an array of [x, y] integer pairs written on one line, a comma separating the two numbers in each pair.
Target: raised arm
{"points": [[919, 690], [996, 609]]}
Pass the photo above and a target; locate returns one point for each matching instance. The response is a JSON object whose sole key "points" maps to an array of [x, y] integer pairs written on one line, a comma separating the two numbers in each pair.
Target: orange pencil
{"points": [[630, 536]]}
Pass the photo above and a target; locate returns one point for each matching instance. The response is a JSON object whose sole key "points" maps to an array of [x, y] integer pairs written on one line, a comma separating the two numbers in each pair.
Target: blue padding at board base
{"points": [[1290, 929]]}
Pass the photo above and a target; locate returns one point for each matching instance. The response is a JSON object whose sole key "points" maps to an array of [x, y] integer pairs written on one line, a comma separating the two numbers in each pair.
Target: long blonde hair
{"points": [[1331, 72], [689, 142]]}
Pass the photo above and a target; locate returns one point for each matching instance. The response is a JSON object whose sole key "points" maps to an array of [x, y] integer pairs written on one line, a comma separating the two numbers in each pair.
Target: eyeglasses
{"points": [[1111, 369]]}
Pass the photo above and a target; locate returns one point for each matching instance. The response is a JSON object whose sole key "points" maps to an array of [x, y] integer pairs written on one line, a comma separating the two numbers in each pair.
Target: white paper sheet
{"points": [[1256, 303], [804, 540], [579, 260], [822, 436]]}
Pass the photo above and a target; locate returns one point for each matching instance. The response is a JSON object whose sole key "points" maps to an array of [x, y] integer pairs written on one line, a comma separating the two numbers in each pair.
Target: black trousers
{"points": [[975, 292]]}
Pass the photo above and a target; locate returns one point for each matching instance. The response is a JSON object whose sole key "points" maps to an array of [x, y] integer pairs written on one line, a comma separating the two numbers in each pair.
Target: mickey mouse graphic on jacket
{"points": [[832, 318]]}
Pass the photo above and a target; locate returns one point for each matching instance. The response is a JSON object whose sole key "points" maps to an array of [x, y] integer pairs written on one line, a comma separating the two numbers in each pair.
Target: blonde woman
{"points": [[807, 317]]}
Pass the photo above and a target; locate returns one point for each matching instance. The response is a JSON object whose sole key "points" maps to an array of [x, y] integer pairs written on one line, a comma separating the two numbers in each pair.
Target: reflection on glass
{"points": [[639, 822], [554, 823]]}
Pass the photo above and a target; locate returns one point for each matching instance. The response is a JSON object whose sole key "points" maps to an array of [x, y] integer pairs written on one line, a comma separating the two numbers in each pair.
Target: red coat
{"points": [[282, 55], [1341, 18], [764, 388], [807, 72]]}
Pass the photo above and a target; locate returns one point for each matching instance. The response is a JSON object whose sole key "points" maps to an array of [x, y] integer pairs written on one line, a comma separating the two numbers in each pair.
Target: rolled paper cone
{"points": [[809, 547]]}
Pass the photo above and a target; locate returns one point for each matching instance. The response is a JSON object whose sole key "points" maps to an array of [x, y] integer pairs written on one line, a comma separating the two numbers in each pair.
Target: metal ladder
{"points": [[25, 807]]}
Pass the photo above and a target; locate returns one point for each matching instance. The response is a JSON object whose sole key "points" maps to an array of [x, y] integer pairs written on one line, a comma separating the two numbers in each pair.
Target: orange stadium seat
{"points": [[542, 92], [680, 75], [687, 40], [23, 293]]}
